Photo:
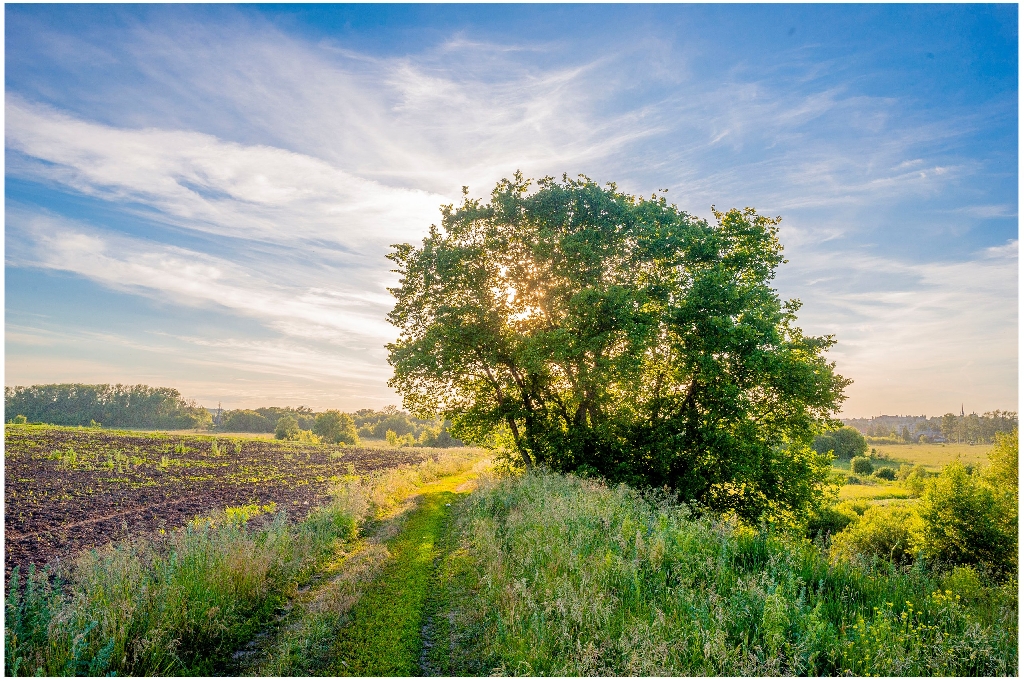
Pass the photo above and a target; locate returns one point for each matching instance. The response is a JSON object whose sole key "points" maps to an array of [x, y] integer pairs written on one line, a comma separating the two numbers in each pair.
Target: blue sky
{"points": [[202, 196]]}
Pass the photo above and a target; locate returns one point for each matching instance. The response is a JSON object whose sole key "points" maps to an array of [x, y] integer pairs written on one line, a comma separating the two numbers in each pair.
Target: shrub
{"points": [[829, 521], [914, 478], [19, 419], [861, 465], [964, 521], [287, 429], [335, 427], [890, 532], [845, 443], [247, 421], [886, 473], [1002, 471], [964, 581]]}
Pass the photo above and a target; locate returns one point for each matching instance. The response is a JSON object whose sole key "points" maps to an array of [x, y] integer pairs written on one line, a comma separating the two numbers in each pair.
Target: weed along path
{"points": [[366, 615]]}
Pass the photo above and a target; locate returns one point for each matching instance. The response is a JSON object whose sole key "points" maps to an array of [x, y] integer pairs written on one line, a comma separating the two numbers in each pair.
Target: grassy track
{"points": [[384, 637], [368, 615]]}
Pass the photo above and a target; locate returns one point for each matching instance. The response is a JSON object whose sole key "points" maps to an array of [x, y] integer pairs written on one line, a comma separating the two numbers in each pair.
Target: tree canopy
{"points": [[598, 332], [118, 406], [845, 443]]}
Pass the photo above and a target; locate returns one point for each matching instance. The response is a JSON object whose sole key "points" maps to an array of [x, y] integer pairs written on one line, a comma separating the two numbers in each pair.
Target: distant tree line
{"points": [[390, 423], [116, 406], [970, 428]]}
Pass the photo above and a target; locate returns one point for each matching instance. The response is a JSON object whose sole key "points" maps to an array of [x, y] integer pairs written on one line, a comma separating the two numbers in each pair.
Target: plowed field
{"points": [[72, 488]]}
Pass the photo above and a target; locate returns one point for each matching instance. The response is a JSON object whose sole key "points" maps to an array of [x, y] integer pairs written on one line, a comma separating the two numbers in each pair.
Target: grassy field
{"points": [[933, 456], [442, 567]]}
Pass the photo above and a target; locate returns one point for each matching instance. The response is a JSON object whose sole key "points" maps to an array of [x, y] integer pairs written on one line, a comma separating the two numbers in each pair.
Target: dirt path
{"points": [[367, 616]]}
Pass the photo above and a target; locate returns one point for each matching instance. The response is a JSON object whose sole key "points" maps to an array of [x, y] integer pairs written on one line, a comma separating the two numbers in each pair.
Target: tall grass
{"points": [[182, 603], [562, 576]]}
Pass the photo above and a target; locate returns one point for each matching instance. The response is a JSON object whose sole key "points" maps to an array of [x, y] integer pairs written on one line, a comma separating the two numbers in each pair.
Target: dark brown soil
{"points": [[68, 489]]}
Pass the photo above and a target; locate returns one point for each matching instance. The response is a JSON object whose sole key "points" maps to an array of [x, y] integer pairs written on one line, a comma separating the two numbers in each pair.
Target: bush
{"points": [[861, 465], [829, 521], [19, 419], [1002, 471], [886, 473], [845, 443], [914, 478], [335, 427], [891, 532], [965, 522], [287, 429], [247, 421]]}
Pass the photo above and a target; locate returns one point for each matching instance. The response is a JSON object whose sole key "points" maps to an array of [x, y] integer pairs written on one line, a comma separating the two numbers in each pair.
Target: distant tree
{"points": [[287, 429], [598, 332], [117, 406], [845, 443], [246, 421], [951, 427], [334, 426]]}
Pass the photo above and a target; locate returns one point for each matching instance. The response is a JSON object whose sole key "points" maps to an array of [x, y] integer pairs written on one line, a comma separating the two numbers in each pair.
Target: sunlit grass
{"points": [[934, 456], [183, 604], [880, 490], [559, 576]]}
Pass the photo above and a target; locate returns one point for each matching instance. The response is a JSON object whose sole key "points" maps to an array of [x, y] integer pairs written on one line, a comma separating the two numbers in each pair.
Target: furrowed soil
{"points": [[68, 489]]}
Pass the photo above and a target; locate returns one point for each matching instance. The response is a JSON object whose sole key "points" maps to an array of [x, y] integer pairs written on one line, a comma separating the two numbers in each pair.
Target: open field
{"points": [[933, 456], [73, 488]]}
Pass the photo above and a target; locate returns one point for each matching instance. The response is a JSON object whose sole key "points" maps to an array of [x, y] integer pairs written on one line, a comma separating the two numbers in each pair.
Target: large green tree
{"points": [[594, 331]]}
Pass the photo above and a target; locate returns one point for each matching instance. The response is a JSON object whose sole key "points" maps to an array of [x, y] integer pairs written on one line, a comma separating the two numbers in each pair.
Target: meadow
{"points": [[424, 562]]}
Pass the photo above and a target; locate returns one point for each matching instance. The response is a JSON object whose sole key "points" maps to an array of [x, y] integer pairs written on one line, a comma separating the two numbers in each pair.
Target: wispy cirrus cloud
{"points": [[345, 312], [263, 174]]}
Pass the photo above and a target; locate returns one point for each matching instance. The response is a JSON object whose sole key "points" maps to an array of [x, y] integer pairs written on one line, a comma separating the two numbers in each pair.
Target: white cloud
{"points": [[347, 313], [915, 336], [206, 184]]}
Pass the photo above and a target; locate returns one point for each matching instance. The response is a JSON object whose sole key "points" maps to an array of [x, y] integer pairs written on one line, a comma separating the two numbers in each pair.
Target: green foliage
{"points": [[19, 419], [1003, 471], [384, 637], [246, 421], [595, 331], [845, 443], [886, 473], [914, 478], [335, 427], [566, 577], [893, 533], [426, 432], [965, 521], [861, 465], [974, 428], [180, 606], [287, 429], [118, 406]]}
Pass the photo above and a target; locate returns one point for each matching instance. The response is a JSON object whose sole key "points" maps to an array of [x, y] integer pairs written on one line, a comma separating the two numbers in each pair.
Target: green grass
{"points": [[933, 456], [383, 638], [185, 604], [559, 576], [180, 606]]}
